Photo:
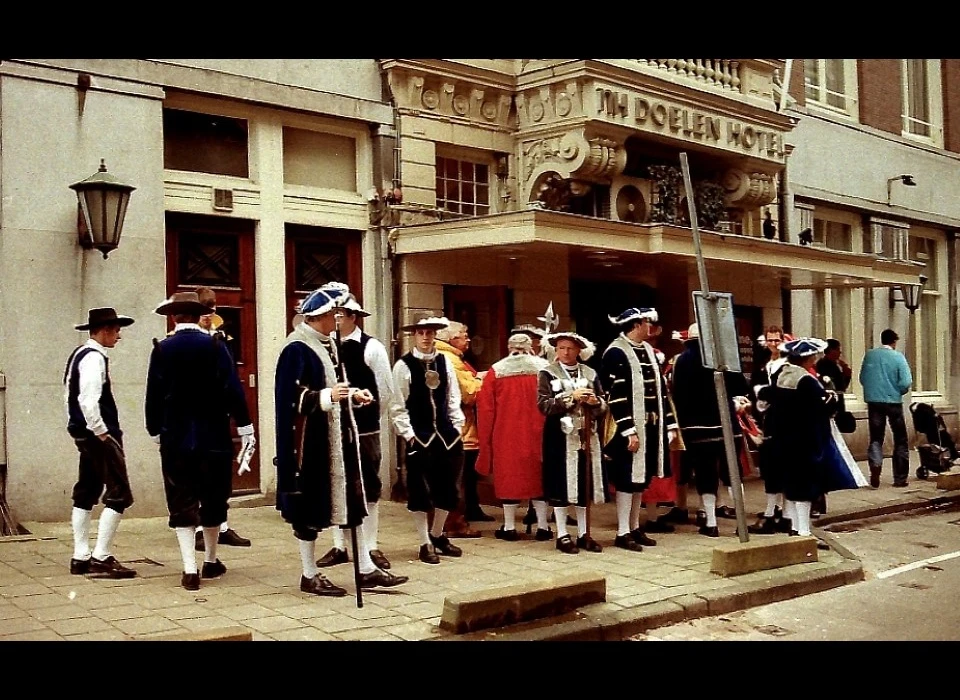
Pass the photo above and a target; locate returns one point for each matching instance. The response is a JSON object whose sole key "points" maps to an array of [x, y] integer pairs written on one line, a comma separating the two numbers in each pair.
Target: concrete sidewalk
{"points": [[259, 594]]}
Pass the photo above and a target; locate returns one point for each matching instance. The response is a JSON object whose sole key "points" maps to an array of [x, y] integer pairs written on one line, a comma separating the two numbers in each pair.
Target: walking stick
{"points": [[342, 371]]}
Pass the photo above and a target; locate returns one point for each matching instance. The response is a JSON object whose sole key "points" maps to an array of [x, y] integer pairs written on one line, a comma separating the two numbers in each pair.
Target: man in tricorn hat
{"points": [[94, 425], [645, 424], [431, 426], [570, 395], [193, 391], [319, 478]]}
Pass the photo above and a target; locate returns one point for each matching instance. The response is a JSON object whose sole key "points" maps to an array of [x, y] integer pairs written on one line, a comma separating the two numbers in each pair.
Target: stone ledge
{"points": [[948, 481], [771, 552], [507, 605], [235, 633]]}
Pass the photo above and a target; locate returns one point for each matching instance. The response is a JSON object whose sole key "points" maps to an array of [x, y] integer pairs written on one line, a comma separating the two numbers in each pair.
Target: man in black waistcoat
{"points": [[430, 425], [319, 482], [193, 391], [94, 425], [367, 367]]}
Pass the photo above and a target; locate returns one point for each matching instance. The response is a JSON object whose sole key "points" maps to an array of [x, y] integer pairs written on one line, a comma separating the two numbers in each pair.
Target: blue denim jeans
{"points": [[878, 414]]}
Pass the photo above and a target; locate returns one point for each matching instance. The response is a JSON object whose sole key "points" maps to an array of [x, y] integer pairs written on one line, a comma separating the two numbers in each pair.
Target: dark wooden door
{"points": [[484, 311], [219, 253], [315, 256]]}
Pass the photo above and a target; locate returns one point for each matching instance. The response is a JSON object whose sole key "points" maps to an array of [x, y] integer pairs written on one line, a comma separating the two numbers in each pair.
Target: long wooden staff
{"points": [[342, 371]]}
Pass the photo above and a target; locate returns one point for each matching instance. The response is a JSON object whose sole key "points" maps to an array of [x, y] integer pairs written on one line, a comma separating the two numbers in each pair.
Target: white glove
{"points": [[248, 446]]}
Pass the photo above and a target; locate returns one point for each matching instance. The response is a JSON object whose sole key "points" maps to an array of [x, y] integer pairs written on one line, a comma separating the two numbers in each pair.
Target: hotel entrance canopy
{"points": [[798, 267]]}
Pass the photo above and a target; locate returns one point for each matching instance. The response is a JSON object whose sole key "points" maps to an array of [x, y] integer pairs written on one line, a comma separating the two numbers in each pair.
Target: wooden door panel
{"points": [[219, 253]]}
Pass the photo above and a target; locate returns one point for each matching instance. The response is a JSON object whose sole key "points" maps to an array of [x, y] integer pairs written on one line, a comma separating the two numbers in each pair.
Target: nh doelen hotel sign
{"points": [[665, 118]]}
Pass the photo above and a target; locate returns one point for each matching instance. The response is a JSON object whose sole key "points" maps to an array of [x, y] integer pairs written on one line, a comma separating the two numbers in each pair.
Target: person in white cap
{"points": [[367, 367], [319, 480], [192, 394], [645, 424], [430, 425], [94, 425], [570, 395], [511, 435]]}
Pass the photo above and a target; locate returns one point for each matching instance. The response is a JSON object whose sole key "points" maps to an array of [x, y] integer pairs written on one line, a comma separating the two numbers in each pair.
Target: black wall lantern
{"points": [[911, 294], [103, 204]]}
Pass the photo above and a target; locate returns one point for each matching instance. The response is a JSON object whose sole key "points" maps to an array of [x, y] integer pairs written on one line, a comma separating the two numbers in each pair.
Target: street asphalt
{"points": [[259, 596]]}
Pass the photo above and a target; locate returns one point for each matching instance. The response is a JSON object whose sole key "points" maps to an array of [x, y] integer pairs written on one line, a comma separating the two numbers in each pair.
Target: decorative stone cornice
{"points": [[574, 155], [445, 97]]}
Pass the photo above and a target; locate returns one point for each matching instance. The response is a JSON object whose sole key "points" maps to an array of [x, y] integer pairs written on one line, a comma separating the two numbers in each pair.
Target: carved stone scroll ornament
{"points": [[748, 190]]}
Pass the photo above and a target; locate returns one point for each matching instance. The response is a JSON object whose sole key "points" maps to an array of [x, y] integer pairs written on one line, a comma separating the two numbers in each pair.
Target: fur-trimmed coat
{"points": [[511, 427]]}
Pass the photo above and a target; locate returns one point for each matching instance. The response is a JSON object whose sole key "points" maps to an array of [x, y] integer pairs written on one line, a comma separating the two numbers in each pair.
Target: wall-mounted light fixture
{"points": [[905, 179], [102, 202], [909, 294]]}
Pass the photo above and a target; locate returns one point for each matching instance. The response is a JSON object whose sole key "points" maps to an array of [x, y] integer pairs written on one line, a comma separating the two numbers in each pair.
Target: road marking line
{"points": [[917, 564]]}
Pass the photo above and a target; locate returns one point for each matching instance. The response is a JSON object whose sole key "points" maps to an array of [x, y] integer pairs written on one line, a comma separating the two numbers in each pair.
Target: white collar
{"points": [[188, 327], [424, 356], [103, 350], [353, 335], [888, 347], [310, 330]]}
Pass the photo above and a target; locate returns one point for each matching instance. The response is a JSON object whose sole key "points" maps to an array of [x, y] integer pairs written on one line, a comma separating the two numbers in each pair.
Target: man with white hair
{"points": [[453, 342], [645, 424], [511, 435]]}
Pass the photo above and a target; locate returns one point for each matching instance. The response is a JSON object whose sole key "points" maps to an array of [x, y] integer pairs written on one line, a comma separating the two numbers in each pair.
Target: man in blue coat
{"points": [[319, 479], [193, 392], [885, 376]]}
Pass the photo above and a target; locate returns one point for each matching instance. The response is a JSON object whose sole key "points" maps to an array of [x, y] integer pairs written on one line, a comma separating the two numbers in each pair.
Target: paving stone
{"points": [[147, 625], [81, 625], [275, 623], [732, 559]]}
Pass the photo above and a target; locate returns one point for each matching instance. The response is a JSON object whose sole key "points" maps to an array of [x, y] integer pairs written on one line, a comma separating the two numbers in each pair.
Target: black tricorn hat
{"points": [[187, 303], [103, 316]]}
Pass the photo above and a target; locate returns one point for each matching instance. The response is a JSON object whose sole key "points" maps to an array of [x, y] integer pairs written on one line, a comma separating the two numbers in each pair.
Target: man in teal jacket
{"points": [[886, 377]]}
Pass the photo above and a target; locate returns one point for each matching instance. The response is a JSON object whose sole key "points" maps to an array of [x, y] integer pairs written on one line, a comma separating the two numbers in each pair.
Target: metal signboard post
{"points": [[718, 347]]}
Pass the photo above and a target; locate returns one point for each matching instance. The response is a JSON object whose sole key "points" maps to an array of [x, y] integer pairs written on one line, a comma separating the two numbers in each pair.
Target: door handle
{"points": [[252, 381]]}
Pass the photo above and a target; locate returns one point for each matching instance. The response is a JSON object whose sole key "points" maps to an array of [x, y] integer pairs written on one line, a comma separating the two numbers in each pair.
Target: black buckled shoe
{"points": [[777, 513], [680, 516], [444, 546], [589, 544], [379, 560], [230, 538], [383, 579], [428, 555], [626, 542], [333, 557], [110, 568], [212, 569], [79, 566], [507, 535], [640, 537], [659, 526], [784, 525], [543, 535], [726, 512], [763, 526], [319, 585], [709, 531], [566, 545], [191, 582]]}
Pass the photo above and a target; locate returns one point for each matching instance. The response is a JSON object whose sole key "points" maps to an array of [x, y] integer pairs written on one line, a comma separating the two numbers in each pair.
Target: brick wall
{"points": [[880, 93], [951, 104]]}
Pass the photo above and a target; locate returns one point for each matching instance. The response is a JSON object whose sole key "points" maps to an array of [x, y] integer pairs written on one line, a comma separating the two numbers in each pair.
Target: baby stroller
{"points": [[939, 452]]}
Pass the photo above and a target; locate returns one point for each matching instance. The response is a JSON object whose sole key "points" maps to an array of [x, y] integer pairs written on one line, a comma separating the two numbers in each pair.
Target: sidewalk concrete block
{"points": [[507, 605], [736, 558], [235, 633], [948, 481]]}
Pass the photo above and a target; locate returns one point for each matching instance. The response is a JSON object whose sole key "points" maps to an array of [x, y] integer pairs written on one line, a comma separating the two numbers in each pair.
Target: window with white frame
{"points": [[922, 99], [463, 186], [832, 83], [886, 239]]}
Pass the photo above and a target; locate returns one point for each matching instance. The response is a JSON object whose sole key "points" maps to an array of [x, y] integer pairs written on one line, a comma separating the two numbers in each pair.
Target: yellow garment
{"points": [[469, 388]]}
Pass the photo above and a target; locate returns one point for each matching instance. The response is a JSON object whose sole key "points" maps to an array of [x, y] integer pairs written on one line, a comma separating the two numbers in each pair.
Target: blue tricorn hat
{"points": [[803, 347], [324, 300], [637, 313]]}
